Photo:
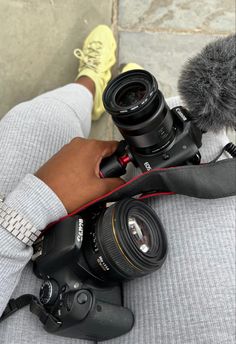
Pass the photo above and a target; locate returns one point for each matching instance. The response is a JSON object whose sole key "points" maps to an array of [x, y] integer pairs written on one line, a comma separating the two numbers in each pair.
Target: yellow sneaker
{"points": [[130, 66], [96, 59]]}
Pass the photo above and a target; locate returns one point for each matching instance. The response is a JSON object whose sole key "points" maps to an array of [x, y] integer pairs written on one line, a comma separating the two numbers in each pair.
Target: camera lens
{"points": [[139, 111], [127, 241]]}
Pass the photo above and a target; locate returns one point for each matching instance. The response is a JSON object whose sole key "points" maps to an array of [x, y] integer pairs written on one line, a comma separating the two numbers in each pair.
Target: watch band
{"points": [[17, 225]]}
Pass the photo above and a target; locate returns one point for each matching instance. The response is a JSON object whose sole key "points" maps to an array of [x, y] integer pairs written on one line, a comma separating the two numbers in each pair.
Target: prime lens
{"points": [[139, 110], [127, 241]]}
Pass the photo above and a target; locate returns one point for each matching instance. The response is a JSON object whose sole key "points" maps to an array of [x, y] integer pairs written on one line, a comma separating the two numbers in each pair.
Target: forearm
{"points": [[37, 203]]}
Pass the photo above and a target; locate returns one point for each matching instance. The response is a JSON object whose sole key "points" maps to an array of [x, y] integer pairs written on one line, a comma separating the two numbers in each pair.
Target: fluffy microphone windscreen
{"points": [[207, 85]]}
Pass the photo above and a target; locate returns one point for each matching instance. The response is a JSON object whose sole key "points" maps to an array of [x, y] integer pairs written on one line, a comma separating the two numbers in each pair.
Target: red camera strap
{"points": [[212, 180]]}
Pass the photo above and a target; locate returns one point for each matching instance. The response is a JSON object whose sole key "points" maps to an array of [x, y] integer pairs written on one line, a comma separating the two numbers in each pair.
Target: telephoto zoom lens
{"points": [[127, 241], [139, 110]]}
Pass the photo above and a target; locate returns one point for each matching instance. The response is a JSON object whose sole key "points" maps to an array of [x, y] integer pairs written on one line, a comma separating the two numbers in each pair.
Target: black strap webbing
{"points": [[212, 180], [35, 307], [15, 304]]}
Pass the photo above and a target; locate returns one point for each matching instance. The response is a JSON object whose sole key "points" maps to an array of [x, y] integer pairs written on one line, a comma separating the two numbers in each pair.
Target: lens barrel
{"points": [[139, 111], [128, 241]]}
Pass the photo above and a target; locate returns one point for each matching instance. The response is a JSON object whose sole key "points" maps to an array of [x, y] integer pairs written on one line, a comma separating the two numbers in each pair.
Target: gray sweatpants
{"points": [[192, 298]]}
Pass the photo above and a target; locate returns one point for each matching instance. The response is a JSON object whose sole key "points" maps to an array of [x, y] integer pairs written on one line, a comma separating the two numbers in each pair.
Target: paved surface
{"points": [[37, 39]]}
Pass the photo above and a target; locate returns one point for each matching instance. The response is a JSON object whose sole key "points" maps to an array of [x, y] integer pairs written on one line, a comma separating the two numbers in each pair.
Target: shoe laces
{"points": [[91, 56]]}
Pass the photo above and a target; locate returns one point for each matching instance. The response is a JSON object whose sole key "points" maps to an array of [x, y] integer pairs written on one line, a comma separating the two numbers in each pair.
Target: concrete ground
{"points": [[37, 38]]}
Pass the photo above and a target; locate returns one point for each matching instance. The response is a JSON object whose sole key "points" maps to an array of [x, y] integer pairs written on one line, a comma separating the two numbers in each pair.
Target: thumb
{"points": [[106, 148]]}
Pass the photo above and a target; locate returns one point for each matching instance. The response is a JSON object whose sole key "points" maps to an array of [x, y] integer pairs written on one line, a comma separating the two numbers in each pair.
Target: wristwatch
{"points": [[17, 225]]}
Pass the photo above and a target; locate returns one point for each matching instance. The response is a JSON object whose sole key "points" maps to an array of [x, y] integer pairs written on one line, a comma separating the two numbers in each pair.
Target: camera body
{"points": [[155, 136], [83, 260], [82, 304]]}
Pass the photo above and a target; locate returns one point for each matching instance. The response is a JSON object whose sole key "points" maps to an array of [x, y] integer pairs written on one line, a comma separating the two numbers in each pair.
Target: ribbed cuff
{"points": [[34, 200]]}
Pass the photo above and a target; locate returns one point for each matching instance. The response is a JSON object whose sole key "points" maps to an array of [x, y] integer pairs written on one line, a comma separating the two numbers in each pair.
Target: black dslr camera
{"points": [[155, 136], [83, 260]]}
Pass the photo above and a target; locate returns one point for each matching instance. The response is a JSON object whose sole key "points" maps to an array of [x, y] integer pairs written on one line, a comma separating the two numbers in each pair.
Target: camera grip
{"points": [[107, 321], [84, 316]]}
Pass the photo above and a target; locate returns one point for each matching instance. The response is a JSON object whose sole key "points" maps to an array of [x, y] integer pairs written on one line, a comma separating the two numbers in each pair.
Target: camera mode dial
{"points": [[48, 292]]}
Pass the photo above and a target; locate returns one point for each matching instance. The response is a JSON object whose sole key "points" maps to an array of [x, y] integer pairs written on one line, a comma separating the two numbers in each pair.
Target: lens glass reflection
{"points": [[140, 233], [130, 94]]}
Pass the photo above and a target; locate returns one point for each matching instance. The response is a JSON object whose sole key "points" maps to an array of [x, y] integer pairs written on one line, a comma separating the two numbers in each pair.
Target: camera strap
{"points": [[210, 180], [15, 304], [35, 307]]}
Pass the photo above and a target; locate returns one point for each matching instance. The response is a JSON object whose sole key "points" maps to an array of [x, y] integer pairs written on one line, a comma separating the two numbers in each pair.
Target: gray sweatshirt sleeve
{"points": [[40, 205]]}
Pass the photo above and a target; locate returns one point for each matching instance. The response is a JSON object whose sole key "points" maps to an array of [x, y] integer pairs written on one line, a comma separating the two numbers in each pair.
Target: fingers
{"points": [[105, 149], [92, 152]]}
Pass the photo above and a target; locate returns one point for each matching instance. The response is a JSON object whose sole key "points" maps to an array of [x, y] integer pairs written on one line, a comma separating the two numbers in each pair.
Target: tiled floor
{"points": [[37, 39]]}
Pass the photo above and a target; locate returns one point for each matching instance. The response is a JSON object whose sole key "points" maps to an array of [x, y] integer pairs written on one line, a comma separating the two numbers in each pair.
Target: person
{"points": [[48, 169]]}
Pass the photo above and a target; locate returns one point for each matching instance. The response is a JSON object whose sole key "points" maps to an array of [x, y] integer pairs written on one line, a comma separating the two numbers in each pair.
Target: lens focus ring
{"points": [[111, 247]]}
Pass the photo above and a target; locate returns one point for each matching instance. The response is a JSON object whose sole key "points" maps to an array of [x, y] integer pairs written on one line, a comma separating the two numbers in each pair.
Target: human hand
{"points": [[73, 173]]}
